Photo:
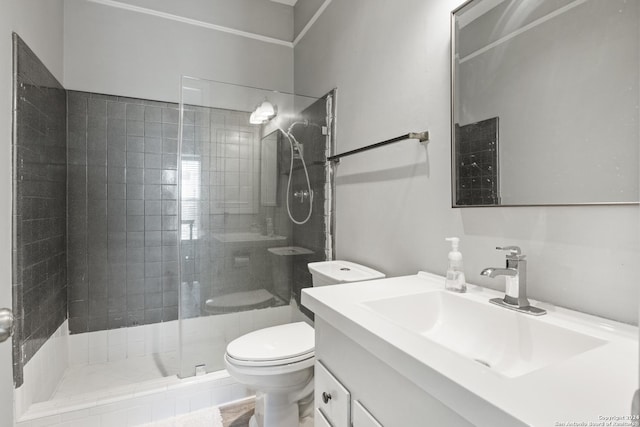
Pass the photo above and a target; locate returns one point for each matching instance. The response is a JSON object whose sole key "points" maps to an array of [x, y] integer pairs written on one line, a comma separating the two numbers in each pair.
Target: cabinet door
{"points": [[362, 417], [331, 397], [319, 420]]}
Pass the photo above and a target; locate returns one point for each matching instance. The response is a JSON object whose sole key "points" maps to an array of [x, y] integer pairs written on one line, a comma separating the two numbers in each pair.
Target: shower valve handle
{"points": [[301, 194]]}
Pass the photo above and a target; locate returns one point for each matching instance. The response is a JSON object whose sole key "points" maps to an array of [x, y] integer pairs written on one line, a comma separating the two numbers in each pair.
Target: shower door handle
{"points": [[7, 324]]}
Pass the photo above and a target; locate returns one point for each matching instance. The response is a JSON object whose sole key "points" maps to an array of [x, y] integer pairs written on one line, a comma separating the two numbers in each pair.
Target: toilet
{"points": [[277, 362]]}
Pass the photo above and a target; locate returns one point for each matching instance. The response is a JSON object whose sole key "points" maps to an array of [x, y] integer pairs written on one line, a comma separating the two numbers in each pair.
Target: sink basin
{"points": [[511, 344]]}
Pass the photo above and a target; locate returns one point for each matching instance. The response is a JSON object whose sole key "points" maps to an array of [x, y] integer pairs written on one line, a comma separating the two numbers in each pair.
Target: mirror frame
{"points": [[453, 133]]}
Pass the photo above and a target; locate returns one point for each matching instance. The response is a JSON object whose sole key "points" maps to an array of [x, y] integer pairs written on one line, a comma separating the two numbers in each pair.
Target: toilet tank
{"points": [[334, 272]]}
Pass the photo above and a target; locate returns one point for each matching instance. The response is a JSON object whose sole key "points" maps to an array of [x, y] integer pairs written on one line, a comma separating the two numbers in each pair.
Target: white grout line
{"points": [[195, 22], [312, 21]]}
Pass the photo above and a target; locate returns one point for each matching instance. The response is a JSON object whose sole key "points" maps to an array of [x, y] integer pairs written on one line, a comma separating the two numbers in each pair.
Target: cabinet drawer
{"points": [[320, 420], [362, 417], [331, 397]]}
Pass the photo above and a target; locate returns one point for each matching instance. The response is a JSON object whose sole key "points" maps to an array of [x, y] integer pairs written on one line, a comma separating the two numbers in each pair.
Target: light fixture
{"points": [[263, 112], [266, 110], [254, 119]]}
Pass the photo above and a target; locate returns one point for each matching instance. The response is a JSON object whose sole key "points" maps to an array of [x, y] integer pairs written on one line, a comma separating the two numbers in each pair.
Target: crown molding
{"points": [[312, 21]]}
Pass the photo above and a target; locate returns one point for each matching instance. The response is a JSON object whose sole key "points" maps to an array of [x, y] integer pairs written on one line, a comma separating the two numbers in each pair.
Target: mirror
{"points": [[545, 102], [269, 170]]}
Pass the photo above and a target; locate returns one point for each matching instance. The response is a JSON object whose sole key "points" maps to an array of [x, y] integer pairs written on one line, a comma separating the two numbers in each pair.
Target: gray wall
{"points": [[126, 53], [394, 204], [261, 17], [39, 206]]}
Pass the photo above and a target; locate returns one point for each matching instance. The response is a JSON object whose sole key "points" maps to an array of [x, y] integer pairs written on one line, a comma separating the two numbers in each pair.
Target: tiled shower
{"points": [[122, 188], [140, 227], [39, 206]]}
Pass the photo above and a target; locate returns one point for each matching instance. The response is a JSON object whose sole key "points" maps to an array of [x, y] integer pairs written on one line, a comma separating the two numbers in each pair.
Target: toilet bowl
{"points": [[277, 362]]}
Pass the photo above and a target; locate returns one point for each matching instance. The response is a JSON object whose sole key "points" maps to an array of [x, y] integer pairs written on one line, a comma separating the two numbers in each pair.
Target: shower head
{"points": [[304, 122], [307, 123]]}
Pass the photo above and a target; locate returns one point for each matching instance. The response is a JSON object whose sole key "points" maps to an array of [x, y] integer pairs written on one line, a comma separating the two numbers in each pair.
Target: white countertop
{"points": [[584, 388]]}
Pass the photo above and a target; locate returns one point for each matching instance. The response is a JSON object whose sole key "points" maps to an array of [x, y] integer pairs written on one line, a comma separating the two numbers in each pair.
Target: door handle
{"points": [[7, 325]]}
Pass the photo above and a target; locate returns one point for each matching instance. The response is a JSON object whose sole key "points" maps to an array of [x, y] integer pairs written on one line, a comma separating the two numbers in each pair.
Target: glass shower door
{"points": [[236, 271]]}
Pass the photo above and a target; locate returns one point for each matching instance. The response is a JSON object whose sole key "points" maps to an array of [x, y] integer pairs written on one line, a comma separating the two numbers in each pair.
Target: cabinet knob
{"points": [[326, 397]]}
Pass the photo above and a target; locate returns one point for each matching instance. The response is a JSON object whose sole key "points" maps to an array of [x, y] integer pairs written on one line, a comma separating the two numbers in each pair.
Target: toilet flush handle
{"points": [[326, 397]]}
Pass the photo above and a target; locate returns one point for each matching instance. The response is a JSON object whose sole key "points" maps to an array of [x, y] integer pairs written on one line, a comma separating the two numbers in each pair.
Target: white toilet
{"points": [[277, 362]]}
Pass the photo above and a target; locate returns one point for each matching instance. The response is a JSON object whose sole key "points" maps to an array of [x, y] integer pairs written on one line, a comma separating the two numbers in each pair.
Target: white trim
{"points": [[312, 21], [519, 31], [287, 2], [195, 22]]}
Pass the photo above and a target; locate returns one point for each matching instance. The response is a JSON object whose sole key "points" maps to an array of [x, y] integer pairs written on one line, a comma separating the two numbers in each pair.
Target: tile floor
{"points": [[209, 417], [234, 414], [237, 414]]}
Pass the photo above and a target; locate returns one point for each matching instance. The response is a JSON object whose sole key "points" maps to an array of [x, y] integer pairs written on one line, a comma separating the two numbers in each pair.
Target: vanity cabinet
{"points": [[331, 398], [334, 407], [319, 420], [412, 354], [377, 394], [362, 417]]}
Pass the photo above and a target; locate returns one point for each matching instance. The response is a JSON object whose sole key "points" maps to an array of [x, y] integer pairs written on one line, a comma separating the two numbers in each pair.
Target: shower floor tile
{"points": [[116, 377]]}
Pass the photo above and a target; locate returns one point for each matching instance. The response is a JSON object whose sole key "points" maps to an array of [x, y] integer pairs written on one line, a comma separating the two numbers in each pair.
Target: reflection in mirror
{"points": [[269, 170], [545, 102]]}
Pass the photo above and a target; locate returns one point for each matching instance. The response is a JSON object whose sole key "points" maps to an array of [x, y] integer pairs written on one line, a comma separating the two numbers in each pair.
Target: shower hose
{"points": [[293, 141]]}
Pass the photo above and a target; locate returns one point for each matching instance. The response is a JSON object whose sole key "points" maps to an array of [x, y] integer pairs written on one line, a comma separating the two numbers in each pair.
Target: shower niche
{"points": [[254, 209]]}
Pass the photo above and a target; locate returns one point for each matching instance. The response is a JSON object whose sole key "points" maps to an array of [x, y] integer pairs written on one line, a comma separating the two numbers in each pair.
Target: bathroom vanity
{"points": [[405, 352]]}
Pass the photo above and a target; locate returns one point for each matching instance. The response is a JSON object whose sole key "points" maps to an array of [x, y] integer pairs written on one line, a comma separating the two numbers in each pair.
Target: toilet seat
{"points": [[275, 346], [267, 363], [236, 367]]}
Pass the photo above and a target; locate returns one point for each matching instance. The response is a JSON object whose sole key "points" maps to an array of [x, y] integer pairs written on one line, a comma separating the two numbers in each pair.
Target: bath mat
{"points": [[209, 417]]}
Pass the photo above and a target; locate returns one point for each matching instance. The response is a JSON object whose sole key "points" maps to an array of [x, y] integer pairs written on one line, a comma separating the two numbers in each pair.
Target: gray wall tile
{"points": [[135, 112], [40, 212], [132, 210], [116, 110], [128, 169], [153, 114], [135, 144]]}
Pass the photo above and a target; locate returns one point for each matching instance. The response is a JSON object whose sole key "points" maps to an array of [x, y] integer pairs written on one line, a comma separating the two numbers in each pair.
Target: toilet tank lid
{"points": [[274, 343], [344, 271]]}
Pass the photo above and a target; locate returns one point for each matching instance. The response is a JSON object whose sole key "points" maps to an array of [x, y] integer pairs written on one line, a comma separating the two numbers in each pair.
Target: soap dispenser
{"points": [[455, 280]]}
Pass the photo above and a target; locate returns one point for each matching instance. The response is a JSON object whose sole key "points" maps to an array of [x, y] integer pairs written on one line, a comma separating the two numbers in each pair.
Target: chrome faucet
{"points": [[515, 297]]}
